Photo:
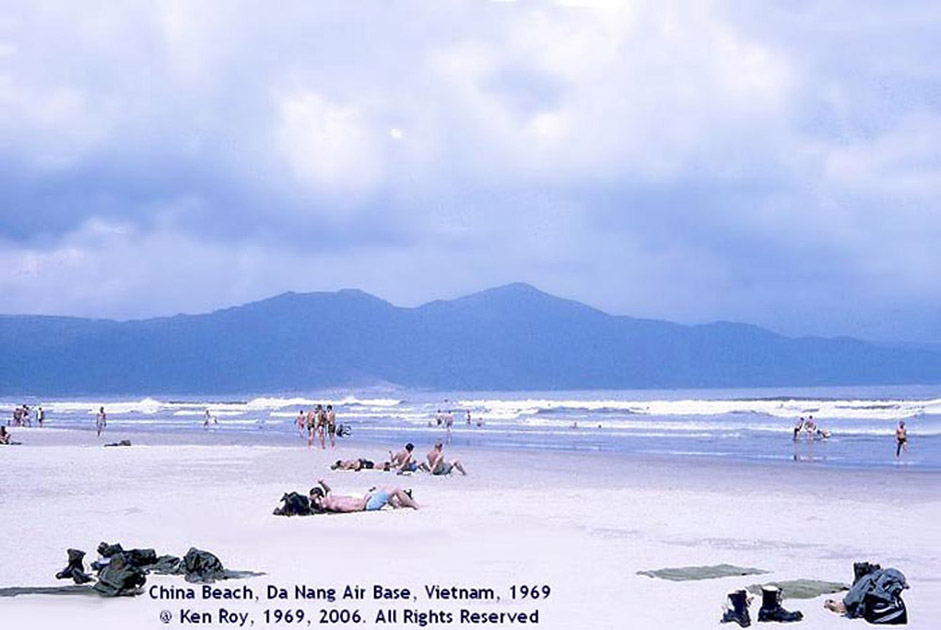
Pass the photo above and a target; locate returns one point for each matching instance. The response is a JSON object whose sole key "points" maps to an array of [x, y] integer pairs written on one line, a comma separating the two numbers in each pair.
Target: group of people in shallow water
{"points": [[808, 427], [319, 422], [446, 419], [23, 416]]}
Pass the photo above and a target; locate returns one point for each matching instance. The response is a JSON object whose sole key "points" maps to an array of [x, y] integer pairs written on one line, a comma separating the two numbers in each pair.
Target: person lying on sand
{"points": [[322, 499], [357, 465], [437, 465]]}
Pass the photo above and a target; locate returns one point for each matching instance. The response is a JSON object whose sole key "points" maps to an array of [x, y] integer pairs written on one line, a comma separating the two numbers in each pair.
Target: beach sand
{"points": [[581, 523]]}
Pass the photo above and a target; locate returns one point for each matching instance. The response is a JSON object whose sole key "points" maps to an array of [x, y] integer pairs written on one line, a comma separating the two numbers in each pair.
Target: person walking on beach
{"points": [[40, 416], [331, 418], [901, 439], [311, 425], [101, 420], [449, 423], [321, 425], [300, 422]]}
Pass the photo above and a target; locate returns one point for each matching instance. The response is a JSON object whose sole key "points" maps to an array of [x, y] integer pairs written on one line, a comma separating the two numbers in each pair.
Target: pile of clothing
{"points": [[122, 572], [876, 595]]}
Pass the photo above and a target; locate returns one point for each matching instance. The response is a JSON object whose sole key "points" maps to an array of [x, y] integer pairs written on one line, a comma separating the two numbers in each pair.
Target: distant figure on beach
{"points": [[332, 426], [319, 425], [439, 417], [4, 435], [40, 416], [210, 419], [322, 499], [468, 418], [101, 420], [901, 439], [27, 422], [437, 465], [798, 427], [449, 423], [311, 426], [301, 422]]}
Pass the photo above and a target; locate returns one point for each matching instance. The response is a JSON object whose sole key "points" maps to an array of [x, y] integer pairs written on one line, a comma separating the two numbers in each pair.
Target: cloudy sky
{"points": [[774, 163]]}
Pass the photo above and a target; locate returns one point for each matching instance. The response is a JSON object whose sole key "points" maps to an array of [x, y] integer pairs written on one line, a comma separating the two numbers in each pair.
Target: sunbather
{"points": [[437, 465], [322, 499]]}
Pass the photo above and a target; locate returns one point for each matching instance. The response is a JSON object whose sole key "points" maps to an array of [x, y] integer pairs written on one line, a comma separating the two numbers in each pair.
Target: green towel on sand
{"points": [[71, 589], [684, 574], [803, 589]]}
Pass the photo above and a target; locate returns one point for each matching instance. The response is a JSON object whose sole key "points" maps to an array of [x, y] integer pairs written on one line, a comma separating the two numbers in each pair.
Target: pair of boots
{"points": [[771, 609], [75, 569]]}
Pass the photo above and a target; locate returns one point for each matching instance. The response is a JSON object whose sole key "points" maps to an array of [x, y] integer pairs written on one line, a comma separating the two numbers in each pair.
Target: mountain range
{"points": [[513, 337]]}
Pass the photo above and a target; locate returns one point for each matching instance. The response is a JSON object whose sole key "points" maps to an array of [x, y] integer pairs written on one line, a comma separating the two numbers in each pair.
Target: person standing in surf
{"points": [[300, 422], [320, 420], [101, 420], [311, 425], [901, 439]]}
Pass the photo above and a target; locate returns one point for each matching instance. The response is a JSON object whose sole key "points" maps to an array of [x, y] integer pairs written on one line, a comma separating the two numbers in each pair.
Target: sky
{"points": [[764, 162]]}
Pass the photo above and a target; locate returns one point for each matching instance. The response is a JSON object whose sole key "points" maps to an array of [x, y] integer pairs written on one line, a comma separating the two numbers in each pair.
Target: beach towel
{"points": [[803, 589], [683, 574]]}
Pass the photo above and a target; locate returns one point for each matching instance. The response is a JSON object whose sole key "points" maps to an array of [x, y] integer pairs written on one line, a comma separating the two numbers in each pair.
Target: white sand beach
{"points": [[581, 523]]}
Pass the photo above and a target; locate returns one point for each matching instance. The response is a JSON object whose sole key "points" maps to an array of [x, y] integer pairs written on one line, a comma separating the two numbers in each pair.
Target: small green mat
{"points": [[685, 574], [803, 589]]}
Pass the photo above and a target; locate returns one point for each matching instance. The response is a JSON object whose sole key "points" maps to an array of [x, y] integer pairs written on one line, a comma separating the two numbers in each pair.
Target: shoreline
{"points": [[52, 435]]}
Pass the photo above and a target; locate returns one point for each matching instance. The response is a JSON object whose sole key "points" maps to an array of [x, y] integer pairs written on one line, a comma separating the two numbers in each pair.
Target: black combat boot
{"points": [[771, 609], [737, 609], [75, 569], [862, 569]]}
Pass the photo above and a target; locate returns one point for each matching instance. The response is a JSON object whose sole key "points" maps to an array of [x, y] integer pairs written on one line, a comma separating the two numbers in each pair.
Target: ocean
{"points": [[733, 424]]}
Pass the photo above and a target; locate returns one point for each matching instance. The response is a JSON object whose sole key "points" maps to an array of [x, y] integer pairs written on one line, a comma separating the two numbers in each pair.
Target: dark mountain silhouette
{"points": [[511, 337]]}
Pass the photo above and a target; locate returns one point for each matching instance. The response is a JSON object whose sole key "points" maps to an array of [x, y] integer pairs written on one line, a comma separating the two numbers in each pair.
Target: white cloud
{"points": [[738, 158], [329, 147]]}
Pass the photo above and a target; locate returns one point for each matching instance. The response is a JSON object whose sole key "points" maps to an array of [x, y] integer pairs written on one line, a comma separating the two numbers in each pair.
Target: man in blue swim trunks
{"points": [[322, 499]]}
